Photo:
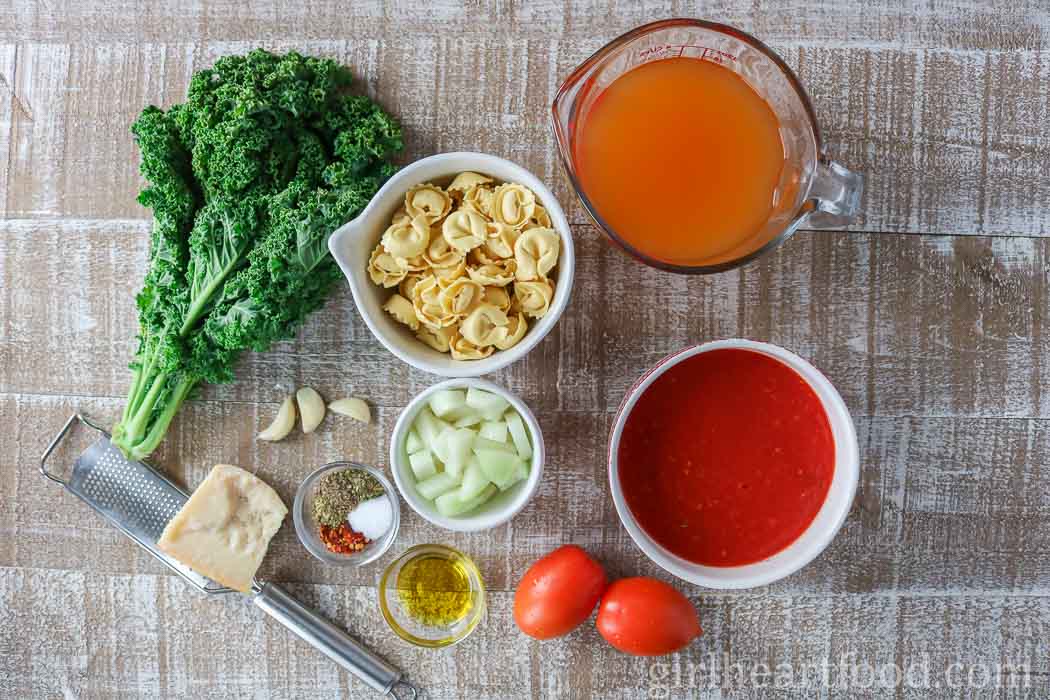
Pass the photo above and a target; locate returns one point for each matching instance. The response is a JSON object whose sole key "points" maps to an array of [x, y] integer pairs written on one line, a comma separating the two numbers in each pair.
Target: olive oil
{"points": [[435, 590]]}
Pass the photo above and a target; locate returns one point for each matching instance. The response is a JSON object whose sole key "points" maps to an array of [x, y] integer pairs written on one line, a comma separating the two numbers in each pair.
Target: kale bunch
{"points": [[246, 181]]}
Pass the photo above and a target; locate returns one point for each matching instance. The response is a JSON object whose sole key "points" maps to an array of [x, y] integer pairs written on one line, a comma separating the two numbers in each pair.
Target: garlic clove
{"points": [[282, 424], [353, 407], [311, 408]]}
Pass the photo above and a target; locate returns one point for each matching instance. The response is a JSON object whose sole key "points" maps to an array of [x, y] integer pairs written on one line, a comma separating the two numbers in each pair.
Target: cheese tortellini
{"points": [[401, 309], [516, 327], [536, 252], [493, 274], [407, 284], [499, 240], [486, 325], [479, 199], [384, 269], [497, 296], [464, 182], [534, 298], [463, 349], [429, 201], [513, 205], [440, 254], [426, 302], [460, 295], [438, 338], [446, 275], [413, 266], [470, 264], [407, 239], [539, 219], [464, 230]]}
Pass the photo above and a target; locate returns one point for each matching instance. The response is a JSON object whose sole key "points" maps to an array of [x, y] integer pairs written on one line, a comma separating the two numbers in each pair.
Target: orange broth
{"points": [[681, 158]]}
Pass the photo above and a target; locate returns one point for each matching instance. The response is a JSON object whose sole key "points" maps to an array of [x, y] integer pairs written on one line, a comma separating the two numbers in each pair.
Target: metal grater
{"points": [[139, 501], [136, 499]]}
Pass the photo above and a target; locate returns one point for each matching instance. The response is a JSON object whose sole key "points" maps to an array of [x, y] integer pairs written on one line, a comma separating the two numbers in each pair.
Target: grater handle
{"points": [[51, 448], [73, 420], [327, 638]]}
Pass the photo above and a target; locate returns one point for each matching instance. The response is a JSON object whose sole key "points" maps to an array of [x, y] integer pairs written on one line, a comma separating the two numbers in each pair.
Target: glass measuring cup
{"points": [[813, 190]]}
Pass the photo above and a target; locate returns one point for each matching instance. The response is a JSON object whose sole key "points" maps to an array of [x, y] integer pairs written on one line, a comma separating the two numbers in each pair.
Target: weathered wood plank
{"points": [[102, 635], [957, 160], [8, 106], [902, 325], [948, 141], [938, 344], [960, 24], [69, 126], [945, 505]]}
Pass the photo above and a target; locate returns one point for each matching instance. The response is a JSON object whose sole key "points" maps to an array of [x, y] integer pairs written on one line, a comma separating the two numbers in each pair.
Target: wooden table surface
{"points": [[929, 315]]}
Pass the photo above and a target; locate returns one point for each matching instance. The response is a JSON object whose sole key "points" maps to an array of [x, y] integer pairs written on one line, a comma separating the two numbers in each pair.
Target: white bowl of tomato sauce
{"points": [[733, 464]]}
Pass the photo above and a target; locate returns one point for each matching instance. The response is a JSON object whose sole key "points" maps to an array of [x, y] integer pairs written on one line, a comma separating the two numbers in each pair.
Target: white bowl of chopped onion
{"points": [[355, 244], [506, 420]]}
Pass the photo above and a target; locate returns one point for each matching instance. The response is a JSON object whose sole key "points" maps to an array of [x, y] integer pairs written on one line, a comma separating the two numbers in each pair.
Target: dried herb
{"points": [[339, 492]]}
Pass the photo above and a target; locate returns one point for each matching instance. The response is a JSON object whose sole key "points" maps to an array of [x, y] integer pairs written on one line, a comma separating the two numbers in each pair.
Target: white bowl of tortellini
{"points": [[460, 264]]}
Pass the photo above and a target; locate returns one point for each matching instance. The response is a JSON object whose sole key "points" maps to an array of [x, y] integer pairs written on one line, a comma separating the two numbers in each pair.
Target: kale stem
{"points": [[147, 360], [178, 394], [136, 381], [137, 427]]}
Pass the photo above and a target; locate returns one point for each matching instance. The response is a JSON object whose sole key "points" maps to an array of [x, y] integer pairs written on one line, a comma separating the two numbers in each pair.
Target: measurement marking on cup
{"points": [[678, 50]]}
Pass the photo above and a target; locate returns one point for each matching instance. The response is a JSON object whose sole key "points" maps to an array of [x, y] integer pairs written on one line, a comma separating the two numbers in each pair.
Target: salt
{"points": [[372, 518]]}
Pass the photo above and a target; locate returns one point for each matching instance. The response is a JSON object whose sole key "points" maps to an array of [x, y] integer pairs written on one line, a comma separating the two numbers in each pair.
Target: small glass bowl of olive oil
{"points": [[432, 595]]}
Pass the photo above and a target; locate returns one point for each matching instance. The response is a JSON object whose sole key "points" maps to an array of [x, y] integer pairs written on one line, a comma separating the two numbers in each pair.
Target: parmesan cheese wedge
{"points": [[225, 527]]}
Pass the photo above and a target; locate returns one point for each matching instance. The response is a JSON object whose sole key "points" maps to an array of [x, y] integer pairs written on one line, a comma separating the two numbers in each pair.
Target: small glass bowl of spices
{"points": [[432, 595], [346, 513]]}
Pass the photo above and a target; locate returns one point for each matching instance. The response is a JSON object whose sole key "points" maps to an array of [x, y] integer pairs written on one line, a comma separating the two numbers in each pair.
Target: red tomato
{"points": [[646, 617], [558, 592]]}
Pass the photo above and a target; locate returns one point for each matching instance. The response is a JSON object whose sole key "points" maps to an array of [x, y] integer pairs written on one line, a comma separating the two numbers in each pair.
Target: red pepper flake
{"points": [[342, 539]]}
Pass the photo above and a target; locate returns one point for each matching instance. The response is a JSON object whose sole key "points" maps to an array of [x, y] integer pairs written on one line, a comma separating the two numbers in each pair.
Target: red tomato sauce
{"points": [[727, 457]]}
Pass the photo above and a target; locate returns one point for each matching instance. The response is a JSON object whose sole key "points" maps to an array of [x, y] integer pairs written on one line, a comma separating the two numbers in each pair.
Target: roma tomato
{"points": [[558, 592], [646, 617]]}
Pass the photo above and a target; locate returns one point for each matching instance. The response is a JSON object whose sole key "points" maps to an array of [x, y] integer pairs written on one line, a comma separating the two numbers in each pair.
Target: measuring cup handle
{"points": [[834, 196], [329, 639]]}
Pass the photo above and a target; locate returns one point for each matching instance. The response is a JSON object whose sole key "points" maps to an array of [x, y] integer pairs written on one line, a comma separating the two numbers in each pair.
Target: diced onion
{"points": [[481, 443], [436, 485], [413, 443], [468, 420], [456, 444], [494, 430], [490, 405], [451, 504], [501, 468], [422, 464], [442, 403], [474, 480], [464, 447], [428, 427], [520, 436]]}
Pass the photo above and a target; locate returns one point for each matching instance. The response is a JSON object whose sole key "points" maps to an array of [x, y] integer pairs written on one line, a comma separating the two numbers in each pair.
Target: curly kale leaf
{"points": [[246, 180]]}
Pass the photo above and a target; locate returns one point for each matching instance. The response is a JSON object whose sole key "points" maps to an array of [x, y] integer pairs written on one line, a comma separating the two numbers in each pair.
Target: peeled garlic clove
{"points": [[282, 424], [353, 407], [311, 408]]}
